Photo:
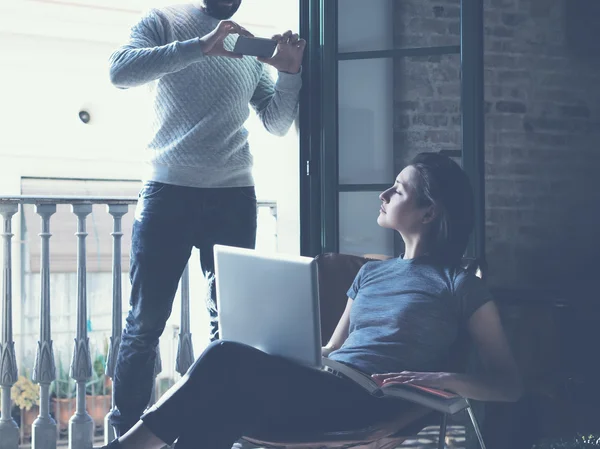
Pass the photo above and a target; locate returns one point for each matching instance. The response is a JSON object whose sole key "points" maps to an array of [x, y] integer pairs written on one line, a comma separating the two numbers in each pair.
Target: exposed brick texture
{"points": [[542, 132]]}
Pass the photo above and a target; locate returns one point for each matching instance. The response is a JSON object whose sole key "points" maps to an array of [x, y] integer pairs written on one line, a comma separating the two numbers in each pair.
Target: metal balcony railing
{"points": [[81, 426]]}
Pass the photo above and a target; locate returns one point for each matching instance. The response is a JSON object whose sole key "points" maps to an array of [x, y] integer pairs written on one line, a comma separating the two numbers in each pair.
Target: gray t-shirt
{"points": [[407, 314]]}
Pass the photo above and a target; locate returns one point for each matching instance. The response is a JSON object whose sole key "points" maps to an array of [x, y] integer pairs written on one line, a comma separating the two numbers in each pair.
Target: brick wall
{"points": [[542, 132]]}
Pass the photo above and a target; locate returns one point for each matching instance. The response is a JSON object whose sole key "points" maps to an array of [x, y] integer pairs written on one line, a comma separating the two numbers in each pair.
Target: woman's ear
{"points": [[430, 214]]}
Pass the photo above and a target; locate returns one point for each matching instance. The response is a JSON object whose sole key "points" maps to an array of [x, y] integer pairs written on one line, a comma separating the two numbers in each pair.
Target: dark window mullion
{"points": [[399, 53], [310, 130], [473, 117], [330, 154]]}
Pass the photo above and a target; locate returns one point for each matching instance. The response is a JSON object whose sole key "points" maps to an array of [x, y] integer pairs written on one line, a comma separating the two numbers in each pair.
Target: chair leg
{"points": [[475, 425], [442, 435]]}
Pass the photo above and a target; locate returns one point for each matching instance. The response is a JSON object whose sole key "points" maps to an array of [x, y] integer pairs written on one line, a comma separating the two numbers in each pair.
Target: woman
{"points": [[402, 317]]}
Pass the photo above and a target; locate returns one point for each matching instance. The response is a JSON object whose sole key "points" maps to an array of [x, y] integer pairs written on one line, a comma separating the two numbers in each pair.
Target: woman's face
{"points": [[399, 209]]}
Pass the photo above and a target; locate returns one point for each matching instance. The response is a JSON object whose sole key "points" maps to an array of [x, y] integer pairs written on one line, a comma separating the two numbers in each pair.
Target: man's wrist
{"points": [[191, 49], [288, 82], [290, 70], [202, 45]]}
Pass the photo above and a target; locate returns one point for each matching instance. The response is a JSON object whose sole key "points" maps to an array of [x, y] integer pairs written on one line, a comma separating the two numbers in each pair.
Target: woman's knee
{"points": [[227, 349], [220, 361], [224, 356]]}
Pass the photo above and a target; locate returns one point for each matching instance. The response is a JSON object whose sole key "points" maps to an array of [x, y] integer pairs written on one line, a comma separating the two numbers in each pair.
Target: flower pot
{"points": [[97, 407], [27, 419], [63, 409]]}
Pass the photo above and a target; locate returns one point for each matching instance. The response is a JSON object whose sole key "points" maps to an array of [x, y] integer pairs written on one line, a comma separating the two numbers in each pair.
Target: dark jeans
{"points": [[169, 221], [233, 390]]}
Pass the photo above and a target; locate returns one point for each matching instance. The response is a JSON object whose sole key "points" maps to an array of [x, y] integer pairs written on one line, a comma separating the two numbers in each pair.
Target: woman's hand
{"points": [[440, 381]]}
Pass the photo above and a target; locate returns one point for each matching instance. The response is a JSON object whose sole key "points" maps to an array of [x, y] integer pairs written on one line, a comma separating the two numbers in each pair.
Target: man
{"points": [[199, 190]]}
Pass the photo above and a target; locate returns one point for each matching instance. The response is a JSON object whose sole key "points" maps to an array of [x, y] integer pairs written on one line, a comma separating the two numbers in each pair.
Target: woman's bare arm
{"points": [[501, 380], [341, 331]]}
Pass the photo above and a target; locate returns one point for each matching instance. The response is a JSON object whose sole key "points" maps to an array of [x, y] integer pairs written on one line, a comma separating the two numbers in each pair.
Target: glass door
{"points": [[392, 85]]}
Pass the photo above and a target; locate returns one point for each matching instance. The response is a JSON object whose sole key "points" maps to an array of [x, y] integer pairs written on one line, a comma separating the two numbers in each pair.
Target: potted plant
{"points": [[98, 392], [63, 393], [26, 396]]}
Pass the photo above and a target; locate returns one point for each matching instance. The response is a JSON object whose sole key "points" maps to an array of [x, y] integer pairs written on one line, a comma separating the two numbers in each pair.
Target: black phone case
{"points": [[254, 46]]}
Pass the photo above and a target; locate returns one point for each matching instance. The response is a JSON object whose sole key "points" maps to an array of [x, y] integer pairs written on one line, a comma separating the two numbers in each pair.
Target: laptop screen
{"points": [[269, 301]]}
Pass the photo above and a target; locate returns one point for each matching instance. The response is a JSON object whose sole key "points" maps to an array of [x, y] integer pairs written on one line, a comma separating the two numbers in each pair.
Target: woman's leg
{"points": [[233, 390]]}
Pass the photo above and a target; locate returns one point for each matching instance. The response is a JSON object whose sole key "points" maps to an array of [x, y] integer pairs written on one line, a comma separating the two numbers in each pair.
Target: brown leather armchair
{"points": [[336, 273]]}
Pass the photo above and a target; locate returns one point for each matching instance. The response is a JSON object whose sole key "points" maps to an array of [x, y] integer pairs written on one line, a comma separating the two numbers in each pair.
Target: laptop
{"points": [[269, 301]]}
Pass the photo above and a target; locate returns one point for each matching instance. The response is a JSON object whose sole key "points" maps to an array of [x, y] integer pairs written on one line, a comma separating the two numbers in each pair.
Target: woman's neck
{"points": [[414, 247]]}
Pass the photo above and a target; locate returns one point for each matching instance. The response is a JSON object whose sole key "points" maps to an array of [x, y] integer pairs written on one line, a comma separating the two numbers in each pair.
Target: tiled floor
{"points": [[426, 439]]}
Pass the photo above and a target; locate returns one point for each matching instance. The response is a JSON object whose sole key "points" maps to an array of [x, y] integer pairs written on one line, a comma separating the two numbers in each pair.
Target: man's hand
{"points": [[288, 55], [212, 43]]}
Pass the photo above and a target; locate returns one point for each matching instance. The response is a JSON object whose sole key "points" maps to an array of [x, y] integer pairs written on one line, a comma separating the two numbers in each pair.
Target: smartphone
{"points": [[255, 46]]}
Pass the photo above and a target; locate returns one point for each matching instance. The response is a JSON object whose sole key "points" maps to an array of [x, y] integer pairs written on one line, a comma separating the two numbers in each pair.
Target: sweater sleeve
{"points": [[277, 103], [147, 56]]}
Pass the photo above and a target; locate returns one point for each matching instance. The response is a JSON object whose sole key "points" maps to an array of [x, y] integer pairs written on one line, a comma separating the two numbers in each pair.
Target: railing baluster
{"points": [[81, 425], [117, 211], [157, 371], [185, 349], [9, 430], [43, 435]]}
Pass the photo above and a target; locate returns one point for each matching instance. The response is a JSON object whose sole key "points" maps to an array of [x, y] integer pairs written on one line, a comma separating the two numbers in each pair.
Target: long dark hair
{"points": [[441, 182]]}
